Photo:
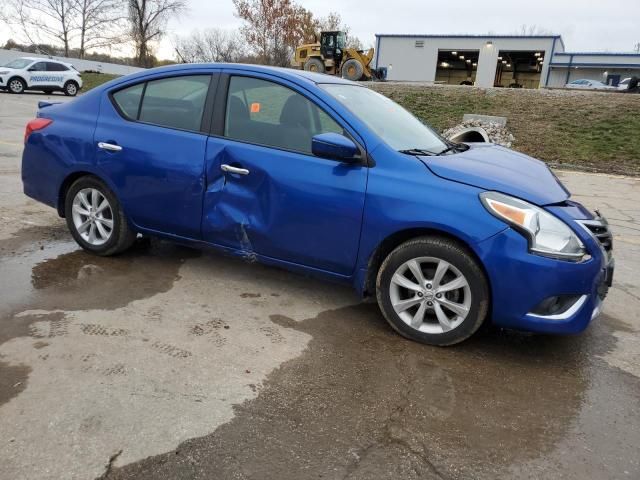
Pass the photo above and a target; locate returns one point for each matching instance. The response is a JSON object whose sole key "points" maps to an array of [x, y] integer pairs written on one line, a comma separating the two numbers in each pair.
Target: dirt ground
{"points": [[168, 362]]}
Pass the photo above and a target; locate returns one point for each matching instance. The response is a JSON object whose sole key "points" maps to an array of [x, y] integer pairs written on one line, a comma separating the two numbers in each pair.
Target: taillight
{"points": [[35, 125]]}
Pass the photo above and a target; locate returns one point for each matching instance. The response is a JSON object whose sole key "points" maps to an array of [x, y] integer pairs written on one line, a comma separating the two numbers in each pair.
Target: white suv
{"points": [[40, 74]]}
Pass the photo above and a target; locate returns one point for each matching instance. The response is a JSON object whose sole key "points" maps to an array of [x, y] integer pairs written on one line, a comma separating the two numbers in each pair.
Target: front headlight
{"points": [[547, 234], [4, 72]]}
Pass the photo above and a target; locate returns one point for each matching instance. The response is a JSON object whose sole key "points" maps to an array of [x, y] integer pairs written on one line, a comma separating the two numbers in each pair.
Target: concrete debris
{"points": [[469, 130]]}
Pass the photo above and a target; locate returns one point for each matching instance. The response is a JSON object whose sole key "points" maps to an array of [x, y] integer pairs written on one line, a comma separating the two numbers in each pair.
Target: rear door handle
{"points": [[109, 146], [228, 168]]}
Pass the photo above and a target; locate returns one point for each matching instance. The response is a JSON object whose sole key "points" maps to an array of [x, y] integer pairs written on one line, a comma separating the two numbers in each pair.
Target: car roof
{"points": [[286, 73], [42, 59]]}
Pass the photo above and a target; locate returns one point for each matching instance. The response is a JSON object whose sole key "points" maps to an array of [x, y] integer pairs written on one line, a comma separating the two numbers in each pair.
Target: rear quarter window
{"points": [[128, 100]]}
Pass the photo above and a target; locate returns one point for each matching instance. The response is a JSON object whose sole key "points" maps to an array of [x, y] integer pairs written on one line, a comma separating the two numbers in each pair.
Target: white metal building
{"points": [[496, 60]]}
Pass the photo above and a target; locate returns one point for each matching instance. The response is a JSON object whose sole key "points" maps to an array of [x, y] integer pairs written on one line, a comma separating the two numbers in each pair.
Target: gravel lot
{"points": [[170, 363]]}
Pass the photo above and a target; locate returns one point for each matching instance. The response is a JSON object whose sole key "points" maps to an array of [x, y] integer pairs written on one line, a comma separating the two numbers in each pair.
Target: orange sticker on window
{"points": [[255, 108]]}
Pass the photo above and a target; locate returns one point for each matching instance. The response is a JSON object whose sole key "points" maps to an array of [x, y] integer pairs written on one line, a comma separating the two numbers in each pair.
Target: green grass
{"points": [[93, 80], [585, 130]]}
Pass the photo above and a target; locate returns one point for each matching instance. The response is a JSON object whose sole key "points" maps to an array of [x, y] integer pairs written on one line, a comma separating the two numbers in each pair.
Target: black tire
{"points": [[71, 88], [456, 255], [16, 85], [314, 65], [352, 70], [122, 236]]}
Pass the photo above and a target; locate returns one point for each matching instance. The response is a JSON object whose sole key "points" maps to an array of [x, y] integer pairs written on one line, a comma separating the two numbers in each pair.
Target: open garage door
{"points": [[519, 69], [457, 67]]}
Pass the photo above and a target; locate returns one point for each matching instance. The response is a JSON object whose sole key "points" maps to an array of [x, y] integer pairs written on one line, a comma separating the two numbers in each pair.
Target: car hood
{"points": [[492, 167], [7, 69]]}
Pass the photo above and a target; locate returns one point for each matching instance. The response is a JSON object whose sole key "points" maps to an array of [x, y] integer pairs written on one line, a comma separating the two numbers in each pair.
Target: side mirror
{"points": [[335, 147]]}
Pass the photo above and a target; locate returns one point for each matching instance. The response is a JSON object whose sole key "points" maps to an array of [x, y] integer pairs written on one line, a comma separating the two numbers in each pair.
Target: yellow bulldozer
{"points": [[330, 55]]}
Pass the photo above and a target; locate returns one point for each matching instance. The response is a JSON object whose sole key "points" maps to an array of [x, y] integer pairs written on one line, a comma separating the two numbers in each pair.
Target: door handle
{"points": [[228, 168], [109, 146]]}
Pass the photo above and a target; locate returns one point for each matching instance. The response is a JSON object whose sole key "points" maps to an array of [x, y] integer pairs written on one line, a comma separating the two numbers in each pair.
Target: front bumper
{"points": [[520, 281]]}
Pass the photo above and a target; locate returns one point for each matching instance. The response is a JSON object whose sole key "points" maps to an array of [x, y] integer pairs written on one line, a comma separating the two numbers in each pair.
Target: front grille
{"points": [[599, 228]]}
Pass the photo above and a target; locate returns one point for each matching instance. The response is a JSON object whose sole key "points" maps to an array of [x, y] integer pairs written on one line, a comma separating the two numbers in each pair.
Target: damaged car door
{"points": [[266, 193]]}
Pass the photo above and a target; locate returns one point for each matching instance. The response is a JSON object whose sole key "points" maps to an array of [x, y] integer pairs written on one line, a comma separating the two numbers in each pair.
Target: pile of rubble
{"points": [[494, 131]]}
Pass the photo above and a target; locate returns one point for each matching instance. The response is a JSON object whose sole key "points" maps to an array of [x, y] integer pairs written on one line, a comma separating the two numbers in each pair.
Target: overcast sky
{"points": [[585, 25]]}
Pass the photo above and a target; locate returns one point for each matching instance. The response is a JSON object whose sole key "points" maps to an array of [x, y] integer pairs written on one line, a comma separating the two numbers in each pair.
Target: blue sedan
{"points": [[326, 177]]}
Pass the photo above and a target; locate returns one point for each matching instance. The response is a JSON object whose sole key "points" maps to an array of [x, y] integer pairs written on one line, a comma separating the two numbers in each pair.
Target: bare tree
{"points": [[42, 21], [532, 30], [636, 47], [213, 45], [100, 23], [147, 21], [333, 22]]}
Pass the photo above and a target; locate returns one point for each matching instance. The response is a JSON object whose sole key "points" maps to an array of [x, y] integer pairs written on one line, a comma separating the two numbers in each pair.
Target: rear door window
{"points": [[176, 102], [56, 67], [266, 113]]}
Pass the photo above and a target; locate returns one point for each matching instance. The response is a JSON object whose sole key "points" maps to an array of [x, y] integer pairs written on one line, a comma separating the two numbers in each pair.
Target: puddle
{"points": [[362, 402], [13, 380], [58, 275]]}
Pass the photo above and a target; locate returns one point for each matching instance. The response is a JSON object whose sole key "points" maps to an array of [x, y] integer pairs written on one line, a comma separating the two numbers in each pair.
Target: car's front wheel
{"points": [[95, 218], [432, 290], [17, 85]]}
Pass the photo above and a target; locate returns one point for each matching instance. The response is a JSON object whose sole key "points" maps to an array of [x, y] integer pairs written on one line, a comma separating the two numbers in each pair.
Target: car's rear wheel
{"points": [[70, 88], [432, 290], [16, 85], [95, 218]]}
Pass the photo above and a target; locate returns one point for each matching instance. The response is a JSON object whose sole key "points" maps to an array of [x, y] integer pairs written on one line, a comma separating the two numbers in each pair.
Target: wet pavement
{"points": [[168, 362]]}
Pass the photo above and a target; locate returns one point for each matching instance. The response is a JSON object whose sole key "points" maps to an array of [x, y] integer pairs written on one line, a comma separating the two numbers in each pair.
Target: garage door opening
{"points": [[457, 67], [519, 69]]}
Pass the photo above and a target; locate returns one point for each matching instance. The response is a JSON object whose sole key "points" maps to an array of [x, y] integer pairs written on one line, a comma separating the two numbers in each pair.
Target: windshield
{"points": [[341, 40], [19, 63], [397, 127]]}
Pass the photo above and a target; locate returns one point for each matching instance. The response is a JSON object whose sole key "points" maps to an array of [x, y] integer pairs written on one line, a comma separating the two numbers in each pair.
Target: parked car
{"points": [[589, 85], [323, 176], [624, 83], [40, 74]]}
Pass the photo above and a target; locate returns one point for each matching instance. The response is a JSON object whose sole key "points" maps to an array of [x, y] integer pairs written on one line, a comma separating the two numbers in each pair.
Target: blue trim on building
{"points": [[411, 35], [596, 65], [377, 50], [601, 54], [553, 50]]}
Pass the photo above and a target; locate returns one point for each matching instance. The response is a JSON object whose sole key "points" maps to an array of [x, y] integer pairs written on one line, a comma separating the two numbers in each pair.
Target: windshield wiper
{"points": [[417, 151], [453, 146]]}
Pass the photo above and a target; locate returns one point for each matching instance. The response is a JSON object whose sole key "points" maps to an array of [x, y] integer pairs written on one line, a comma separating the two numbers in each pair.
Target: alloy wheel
{"points": [[16, 86], [430, 295], [92, 216]]}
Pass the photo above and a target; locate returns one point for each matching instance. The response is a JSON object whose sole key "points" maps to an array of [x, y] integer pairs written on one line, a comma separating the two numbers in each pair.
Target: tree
{"points": [[636, 47], [42, 21], [213, 45], [532, 30], [333, 22], [100, 23], [147, 21], [273, 28]]}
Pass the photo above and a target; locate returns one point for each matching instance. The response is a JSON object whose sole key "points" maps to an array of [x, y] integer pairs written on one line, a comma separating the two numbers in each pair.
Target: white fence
{"points": [[7, 55]]}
